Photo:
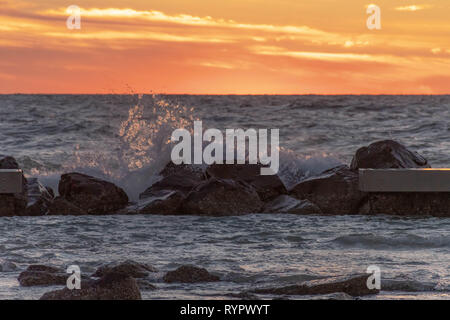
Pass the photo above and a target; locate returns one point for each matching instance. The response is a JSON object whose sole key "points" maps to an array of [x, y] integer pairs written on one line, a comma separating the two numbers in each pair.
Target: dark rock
{"points": [[189, 274], [61, 206], [112, 286], [40, 198], [353, 286], [387, 154], [222, 198], [40, 275], [145, 285], [128, 267], [13, 204], [287, 204], [335, 191], [267, 186], [408, 204], [192, 171], [93, 195], [166, 195], [162, 202]]}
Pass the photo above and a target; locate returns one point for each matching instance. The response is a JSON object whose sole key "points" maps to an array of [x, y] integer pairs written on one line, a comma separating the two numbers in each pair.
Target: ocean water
{"points": [[123, 138]]}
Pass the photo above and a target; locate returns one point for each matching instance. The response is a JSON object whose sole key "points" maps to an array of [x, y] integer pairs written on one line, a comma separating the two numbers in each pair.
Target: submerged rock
{"points": [[387, 154], [267, 186], [218, 197], [13, 204], [335, 191], [130, 268], [112, 286], [189, 274], [288, 204], [351, 285], [40, 198], [92, 195], [41, 275], [7, 266]]}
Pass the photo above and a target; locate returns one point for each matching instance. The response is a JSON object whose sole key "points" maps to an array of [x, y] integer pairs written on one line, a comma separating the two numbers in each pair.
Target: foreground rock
{"points": [[387, 154], [13, 204], [189, 274], [287, 204], [267, 187], [218, 197], [112, 286], [41, 275], [130, 268], [85, 194], [40, 198], [353, 286], [335, 191]]}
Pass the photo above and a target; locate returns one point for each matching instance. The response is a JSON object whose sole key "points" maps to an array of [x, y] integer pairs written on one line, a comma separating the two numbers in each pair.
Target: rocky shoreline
{"points": [[125, 280], [225, 190]]}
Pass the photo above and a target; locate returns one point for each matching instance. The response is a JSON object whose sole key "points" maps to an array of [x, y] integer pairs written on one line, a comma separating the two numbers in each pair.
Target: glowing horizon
{"points": [[237, 47]]}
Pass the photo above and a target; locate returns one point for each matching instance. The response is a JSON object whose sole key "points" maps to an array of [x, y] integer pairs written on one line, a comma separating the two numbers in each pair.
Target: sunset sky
{"points": [[220, 47]]}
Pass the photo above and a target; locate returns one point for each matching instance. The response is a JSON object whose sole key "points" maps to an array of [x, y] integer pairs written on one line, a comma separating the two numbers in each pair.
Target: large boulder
{"points": [[288, 204], [387, 154], [13, 204], [335, 191], [166, 195], [218, 197], [267, 186], [92, 195], [40, 198], [41, 275], [112, 286], [351, 285], [62, 207], [189, 274]]}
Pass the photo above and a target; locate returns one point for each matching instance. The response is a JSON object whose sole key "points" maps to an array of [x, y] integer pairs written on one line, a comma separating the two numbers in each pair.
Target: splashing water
{"points": [[141, 148]]}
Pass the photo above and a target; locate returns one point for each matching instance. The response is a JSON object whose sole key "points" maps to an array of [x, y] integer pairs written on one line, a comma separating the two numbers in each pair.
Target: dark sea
{"points": [[124, 139]]}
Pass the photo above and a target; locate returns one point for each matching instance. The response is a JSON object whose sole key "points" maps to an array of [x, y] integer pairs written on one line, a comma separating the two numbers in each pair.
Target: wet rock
{"points": [[335, 191], [145, 285], [40, 275], [130, 268], [92, 195], [387, 154], [408, 204], [189, 274], [112, 286], [218, 197], [192, 171], [40, 198], [61, 206], [162, 202], [13, 204], [288, 204], [7, 266], [267, 187], [351, 285]]}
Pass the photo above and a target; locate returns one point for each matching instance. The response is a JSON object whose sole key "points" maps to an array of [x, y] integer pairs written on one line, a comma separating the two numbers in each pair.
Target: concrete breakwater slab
{"points": [[405, 180]]}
